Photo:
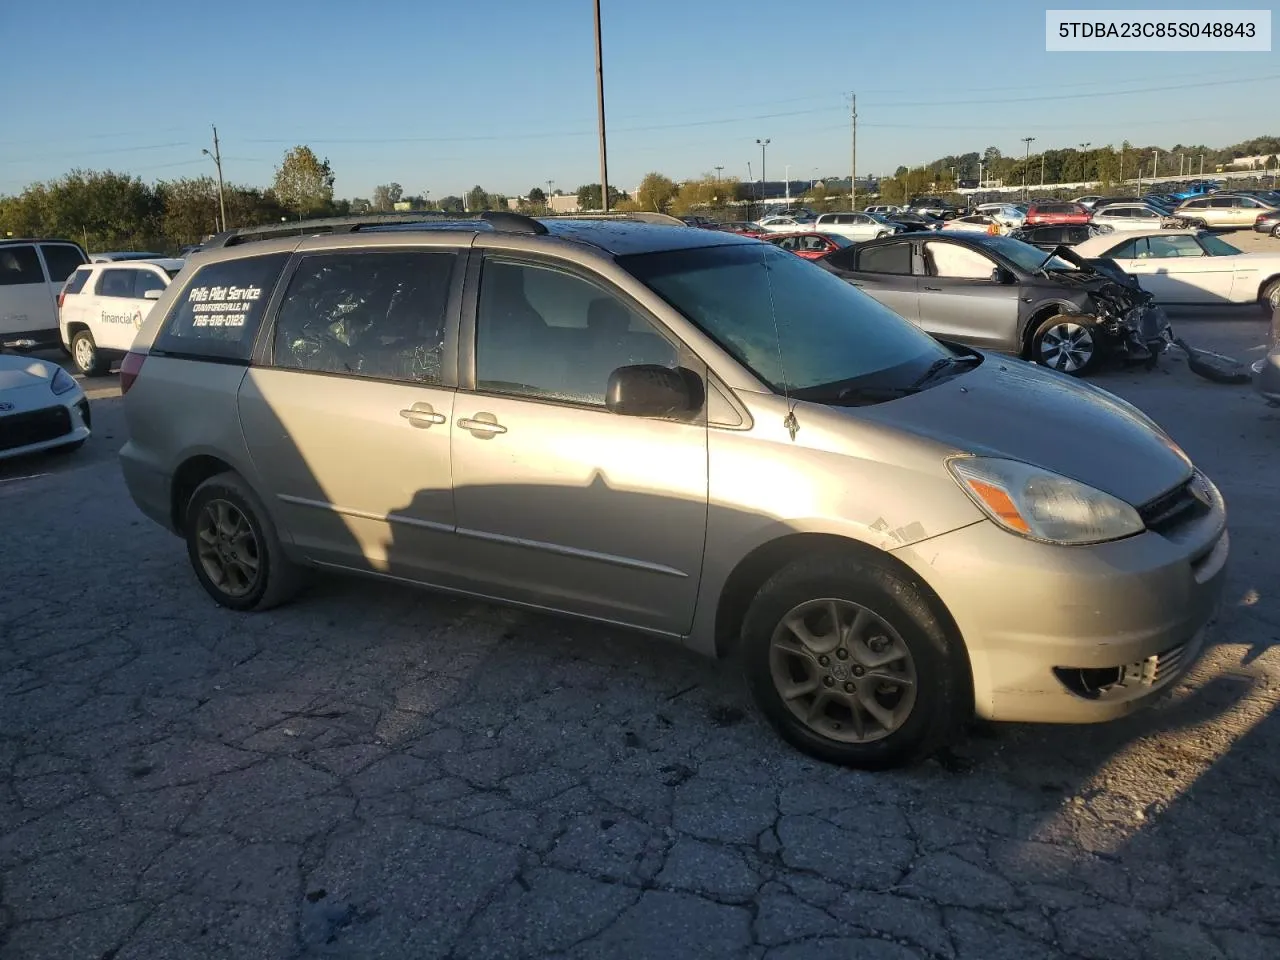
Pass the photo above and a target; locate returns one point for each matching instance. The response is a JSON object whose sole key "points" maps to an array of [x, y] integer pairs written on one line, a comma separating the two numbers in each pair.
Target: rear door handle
{"points": [[422, 415], [484, 424], [934, 289]]}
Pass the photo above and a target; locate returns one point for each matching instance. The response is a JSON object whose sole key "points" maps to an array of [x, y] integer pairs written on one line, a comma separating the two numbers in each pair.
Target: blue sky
{"points": [[439, 96]]}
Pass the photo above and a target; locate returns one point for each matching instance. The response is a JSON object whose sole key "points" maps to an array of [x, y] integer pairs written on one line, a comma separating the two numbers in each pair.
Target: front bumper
{"points": [[1037, 618], [65, 420]]}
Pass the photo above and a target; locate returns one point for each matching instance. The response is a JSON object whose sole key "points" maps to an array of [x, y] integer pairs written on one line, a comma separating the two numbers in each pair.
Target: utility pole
{"points": [[1025, 164], [853, 158], [1155, 165], [763, 143], [1084, 157], [1042, 168], [604, 163], [1122, 163], [217, 162], [549, 183], [718, 169], [787, 183], [1202, 164]]}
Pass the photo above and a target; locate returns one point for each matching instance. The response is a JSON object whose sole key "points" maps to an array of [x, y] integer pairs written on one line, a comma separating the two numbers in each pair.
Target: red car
{"points": [[811, 246], [747, 228], [1055, 214]]}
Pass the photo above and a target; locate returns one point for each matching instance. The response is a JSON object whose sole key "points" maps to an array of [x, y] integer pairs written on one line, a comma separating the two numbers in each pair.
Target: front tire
{"points": [[849, 662], [1067, 344], [234, 548], [85, 355], [1269, 301]]}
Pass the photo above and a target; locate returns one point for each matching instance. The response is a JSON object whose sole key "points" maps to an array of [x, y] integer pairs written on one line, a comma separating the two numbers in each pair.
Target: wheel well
{"points": [[1037, 318], [1262, 287], [190, 475], [760, 564], [75, 327]]}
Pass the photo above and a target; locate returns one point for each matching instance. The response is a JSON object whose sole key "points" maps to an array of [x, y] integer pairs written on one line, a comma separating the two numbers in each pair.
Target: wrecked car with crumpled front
{"points": [[998, 293]]}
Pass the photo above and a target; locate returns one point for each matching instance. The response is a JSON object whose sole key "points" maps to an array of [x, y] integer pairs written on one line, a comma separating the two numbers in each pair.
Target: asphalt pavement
{"points": [[375, 771]]}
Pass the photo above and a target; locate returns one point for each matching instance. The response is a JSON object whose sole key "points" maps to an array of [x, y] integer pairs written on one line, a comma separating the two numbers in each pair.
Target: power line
{"points": [[1074, 96]]}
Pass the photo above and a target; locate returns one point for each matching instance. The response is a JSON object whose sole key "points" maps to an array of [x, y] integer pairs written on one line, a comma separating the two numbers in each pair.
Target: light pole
{"points": [[763, 143], [718, 169], [1026, 163], [549, 183], [217, 162], [604, 164], [1084, 159], [787, 187]]}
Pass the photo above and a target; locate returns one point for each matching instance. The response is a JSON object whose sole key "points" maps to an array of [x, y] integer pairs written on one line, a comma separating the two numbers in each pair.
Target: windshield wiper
{"points": [[935, 368]]}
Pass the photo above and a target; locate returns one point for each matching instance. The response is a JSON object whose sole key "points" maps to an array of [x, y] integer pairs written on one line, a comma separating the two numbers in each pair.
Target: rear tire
{"points": [[234, 548], [813, 681], [1194, 224], [1068, 344], [1275, 231], [85, 355]]}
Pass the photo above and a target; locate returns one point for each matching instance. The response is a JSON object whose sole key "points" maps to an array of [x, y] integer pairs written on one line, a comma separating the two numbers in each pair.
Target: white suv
{"points": [[30, 273], [103, 305], [855, 226]]}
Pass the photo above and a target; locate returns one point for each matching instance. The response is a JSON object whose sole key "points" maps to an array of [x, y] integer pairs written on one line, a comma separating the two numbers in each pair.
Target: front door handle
{"points": [[482, 424], [422, 415], [934, 289]]}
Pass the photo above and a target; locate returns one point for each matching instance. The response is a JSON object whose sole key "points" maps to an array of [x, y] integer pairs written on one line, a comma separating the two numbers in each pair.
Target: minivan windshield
{"points": [[793, 324]]}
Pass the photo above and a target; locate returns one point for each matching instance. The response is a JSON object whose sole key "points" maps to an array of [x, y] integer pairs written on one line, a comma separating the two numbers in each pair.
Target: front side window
{"points": [[19, 265], [1125, 251], [956, 262], [1162, 248], [792, 323], [145, 280], [376, 314], [549, 334], [116, 283], [217, 315]]}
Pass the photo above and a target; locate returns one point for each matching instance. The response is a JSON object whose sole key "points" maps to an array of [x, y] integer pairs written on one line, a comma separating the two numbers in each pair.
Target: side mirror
{"points": [[1001, 275], [154, 294], [652, 390]]}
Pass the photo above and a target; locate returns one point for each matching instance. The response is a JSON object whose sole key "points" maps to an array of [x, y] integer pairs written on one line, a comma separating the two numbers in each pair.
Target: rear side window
{"points": [[380, 315], [19, 265], [890, 258], [116, 283], [77, 281], [1126, 251], [61, 259], [218, 315]]}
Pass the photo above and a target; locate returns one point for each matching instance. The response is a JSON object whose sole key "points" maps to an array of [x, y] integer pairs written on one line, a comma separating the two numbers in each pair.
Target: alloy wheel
{"points": [[1067, 347], [84, 354], [228, 548], [842, 670]]}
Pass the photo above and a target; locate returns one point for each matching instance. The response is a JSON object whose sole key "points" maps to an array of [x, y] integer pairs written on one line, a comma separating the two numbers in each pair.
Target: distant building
{"points": [[564, 203]]}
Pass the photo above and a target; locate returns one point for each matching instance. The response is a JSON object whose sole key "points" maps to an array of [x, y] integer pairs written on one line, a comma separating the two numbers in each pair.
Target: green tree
{"points": [[536, 196], [303, 182], [360, 205], [705, 193], [102, 209], [451, 204], [386, 195], [589, 196], [190, 209], [477, 199], [656, 193]]}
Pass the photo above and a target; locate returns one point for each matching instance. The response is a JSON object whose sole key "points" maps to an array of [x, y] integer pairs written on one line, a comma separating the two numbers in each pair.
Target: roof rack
{"points": [[643, 216], [500, 220]]}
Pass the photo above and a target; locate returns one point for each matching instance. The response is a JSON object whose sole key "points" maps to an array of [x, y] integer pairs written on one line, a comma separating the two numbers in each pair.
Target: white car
{"points": [[42, 407], [1088, 202], [31, 271], [1189, 266], [103, 305], [784, 224], [855, 226], [1222, 211], [1126, 217], [975, 223], [1006, 214], [884, 209]]}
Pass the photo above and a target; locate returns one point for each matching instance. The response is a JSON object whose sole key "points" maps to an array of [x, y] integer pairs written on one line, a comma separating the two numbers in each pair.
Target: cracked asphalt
{"points": [[379, 772]]}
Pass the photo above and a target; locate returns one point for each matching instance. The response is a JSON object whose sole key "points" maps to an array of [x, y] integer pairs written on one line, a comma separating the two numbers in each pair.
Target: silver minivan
{"points": [[683, 432]]}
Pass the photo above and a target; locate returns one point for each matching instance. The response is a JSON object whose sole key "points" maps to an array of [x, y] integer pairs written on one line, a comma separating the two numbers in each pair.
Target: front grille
{"points": [[1171, 510], [23, 429], [1169, 662]]}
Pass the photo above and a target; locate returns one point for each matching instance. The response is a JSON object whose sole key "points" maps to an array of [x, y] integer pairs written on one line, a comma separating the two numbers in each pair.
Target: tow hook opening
{"points": [[1089, 682]]}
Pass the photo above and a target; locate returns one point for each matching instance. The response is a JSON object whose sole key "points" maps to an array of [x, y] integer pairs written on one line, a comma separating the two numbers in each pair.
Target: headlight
{"points": [[1040, 505], [62, 382]]}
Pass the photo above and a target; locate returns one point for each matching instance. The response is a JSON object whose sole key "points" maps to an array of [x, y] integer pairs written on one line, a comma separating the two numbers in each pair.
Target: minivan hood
{"points": [[1014, 409]]}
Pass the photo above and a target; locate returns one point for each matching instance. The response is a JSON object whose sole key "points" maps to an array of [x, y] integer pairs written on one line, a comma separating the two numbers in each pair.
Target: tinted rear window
{"points": [[19, 265], [219, 312], [77, 281], [61, 259], [891, 258]]}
